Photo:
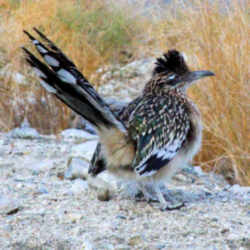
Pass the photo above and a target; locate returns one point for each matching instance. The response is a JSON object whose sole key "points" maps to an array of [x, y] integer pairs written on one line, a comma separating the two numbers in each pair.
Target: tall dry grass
{"points": [[212, 34], [215, 37]]}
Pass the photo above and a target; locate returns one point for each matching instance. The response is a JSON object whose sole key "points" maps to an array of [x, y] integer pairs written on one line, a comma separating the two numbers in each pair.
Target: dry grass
{"points": [[216, 38], [213, 37]]}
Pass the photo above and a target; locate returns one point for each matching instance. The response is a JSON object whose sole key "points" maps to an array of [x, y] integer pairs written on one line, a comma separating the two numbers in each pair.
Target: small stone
{"points": [[8, 206], [103, 194], [224, 199], [77, 167], [245, 243], [122, 247], [106, 246], [198, 170], [160, 246], [122, 217], [79, 186], [60, 175], [71, 217], [13, 211], [84, 150], [135, 240], [87, 245], [43, 190], [102, 188], [111, 180], [225, 230], [240, 189]]}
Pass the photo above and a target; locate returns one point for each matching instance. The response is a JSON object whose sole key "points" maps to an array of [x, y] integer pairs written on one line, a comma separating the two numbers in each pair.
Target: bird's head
{"points": [[173, 72]]}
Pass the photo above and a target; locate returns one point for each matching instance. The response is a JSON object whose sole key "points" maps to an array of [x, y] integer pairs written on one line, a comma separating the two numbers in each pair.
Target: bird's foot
{"points": [[146, 193], [145, 196], [169, 206], [167, 202]]}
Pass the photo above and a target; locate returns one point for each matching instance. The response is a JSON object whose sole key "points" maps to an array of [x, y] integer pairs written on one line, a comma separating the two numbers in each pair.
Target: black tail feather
{"points": [[62, 78]]}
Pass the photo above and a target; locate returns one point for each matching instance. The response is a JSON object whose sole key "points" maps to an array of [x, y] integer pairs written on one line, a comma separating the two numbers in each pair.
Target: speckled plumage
{"points": [[148, 139]]}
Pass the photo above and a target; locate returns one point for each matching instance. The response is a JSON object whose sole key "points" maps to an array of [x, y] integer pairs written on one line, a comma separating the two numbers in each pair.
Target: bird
{"points": [[147, 140]]}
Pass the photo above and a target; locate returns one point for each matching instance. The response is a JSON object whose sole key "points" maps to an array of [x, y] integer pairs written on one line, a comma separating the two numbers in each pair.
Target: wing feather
{"points": [[159, 126]]}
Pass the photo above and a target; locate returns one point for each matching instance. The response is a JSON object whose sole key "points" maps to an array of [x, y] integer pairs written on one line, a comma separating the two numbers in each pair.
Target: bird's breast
{"points": [[194, 137]]}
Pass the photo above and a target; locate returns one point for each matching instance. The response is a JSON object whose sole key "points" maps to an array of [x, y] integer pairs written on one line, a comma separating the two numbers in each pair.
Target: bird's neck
{"points": [[155, 88]]}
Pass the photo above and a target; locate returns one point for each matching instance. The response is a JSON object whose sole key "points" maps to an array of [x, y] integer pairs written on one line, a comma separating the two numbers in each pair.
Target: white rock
{"points": [[84, 150], [140, 67], [69, 217], [105, 181], [88, 244], [74, 133], [239, 189], [112, 181], [79, 186], [243, 192], [38, 165], [198, 170], [77, 168], [24, 133]]}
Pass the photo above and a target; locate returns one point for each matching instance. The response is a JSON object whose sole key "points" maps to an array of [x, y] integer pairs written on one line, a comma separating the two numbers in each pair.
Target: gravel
{"points": [[47, 201]]}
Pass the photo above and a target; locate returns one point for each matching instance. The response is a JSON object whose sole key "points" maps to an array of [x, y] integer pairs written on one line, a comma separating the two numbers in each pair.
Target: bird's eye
{"points": [[171, 77]]}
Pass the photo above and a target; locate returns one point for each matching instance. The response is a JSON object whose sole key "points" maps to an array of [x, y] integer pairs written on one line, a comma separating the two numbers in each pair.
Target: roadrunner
{"points": [[149, 139]]}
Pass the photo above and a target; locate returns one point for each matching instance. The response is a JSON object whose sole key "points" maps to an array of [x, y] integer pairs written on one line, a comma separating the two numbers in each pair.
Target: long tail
{"points": [[60, 77]]}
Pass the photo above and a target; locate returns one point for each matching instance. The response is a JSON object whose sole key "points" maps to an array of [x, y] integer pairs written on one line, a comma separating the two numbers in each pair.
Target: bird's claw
{"points": [[172, 206]]}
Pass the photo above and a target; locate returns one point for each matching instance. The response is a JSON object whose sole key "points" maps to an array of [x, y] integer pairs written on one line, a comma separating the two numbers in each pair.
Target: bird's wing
{"points": [[160, 126]]}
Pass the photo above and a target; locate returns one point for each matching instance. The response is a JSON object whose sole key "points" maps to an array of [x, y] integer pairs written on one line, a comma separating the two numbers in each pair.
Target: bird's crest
{"points": [[171, 62]]}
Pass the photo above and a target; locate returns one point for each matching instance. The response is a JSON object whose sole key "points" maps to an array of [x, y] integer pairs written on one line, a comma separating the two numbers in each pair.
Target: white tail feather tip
{"points": [[51, 60], [49, 88], [41, 49], [66, 76], [39, 72], [35, 42]]}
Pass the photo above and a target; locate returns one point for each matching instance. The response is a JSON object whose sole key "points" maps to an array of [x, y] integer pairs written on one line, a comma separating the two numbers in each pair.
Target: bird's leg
{"points": [[169, 203], [147, 195]]}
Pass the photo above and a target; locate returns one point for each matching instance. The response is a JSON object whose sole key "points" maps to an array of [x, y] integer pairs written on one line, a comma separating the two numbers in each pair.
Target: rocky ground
{"points": [[47, 202]]}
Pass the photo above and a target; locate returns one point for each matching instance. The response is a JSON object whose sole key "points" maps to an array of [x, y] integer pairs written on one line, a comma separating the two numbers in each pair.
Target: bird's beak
{"points": [[196, 75]]}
